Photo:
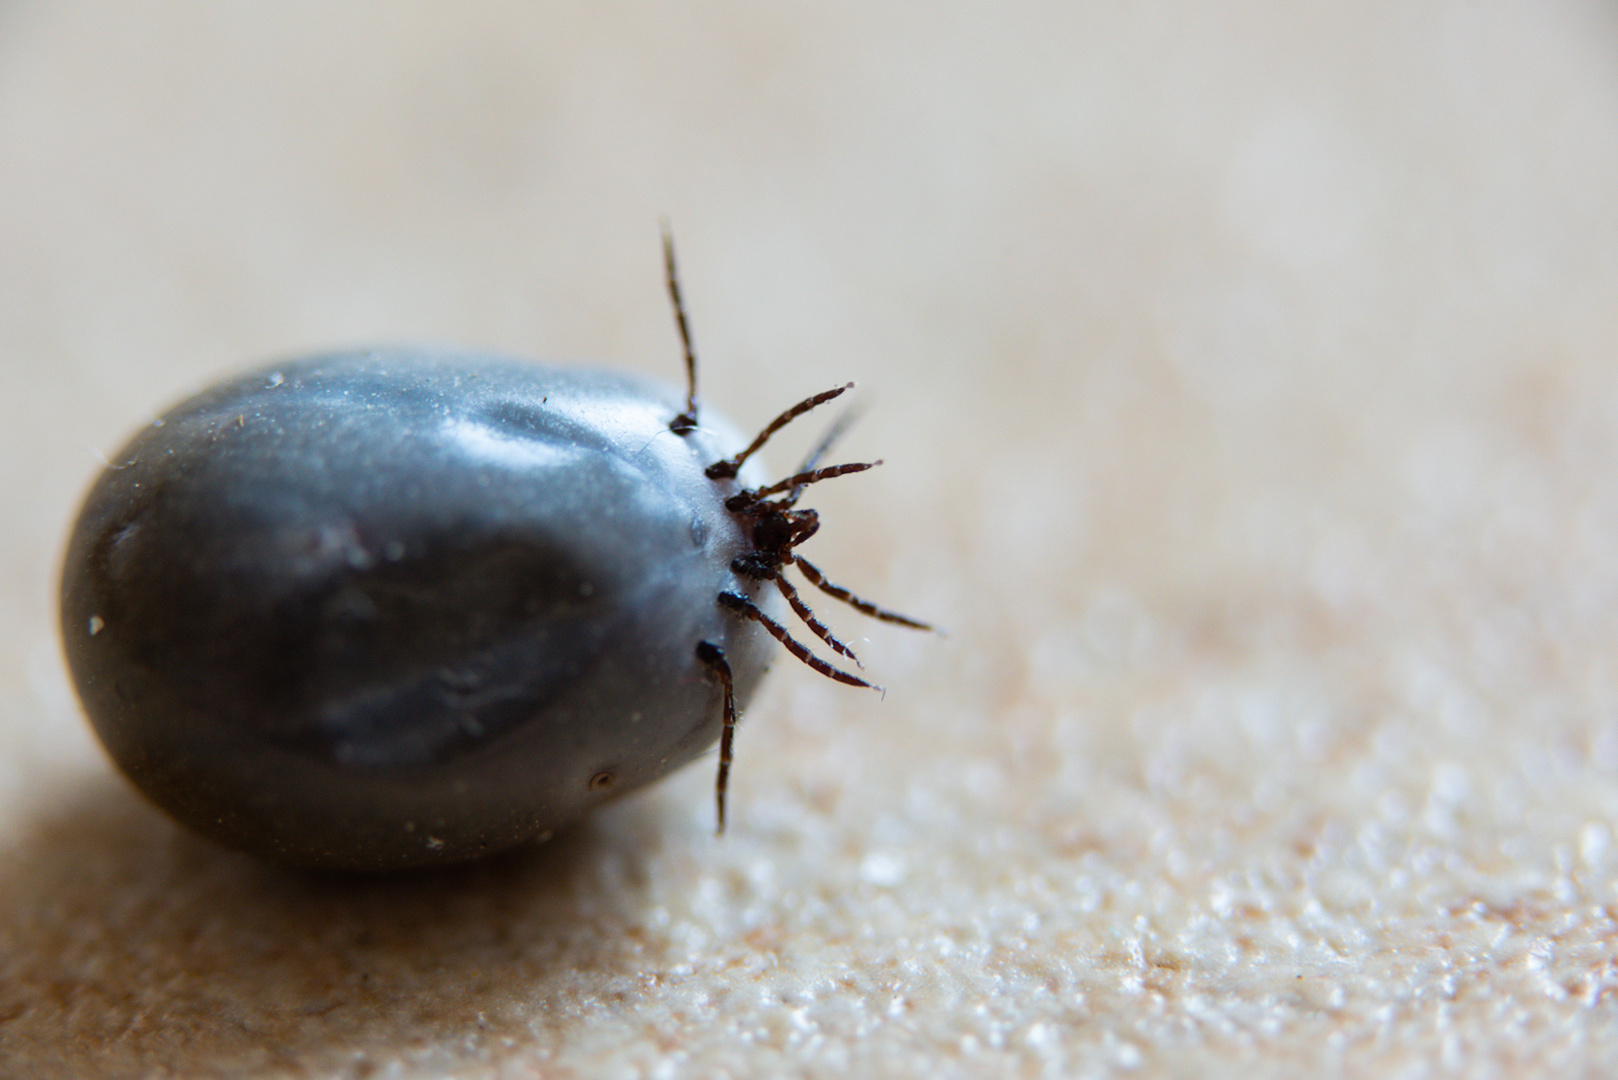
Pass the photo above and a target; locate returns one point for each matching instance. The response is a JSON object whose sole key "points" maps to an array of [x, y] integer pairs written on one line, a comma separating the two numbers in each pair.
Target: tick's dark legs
{"points": [[714, 657], [817, 579], [818, 628], [730, 466], [686, 421], [775, 529], [744, 607], [739, 502]]}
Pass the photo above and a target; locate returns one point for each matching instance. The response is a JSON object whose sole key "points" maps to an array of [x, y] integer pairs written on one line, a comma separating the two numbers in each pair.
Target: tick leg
{"points": [[814, 476], [686, 421], [714, 657], [820, 629], [744, 607], [742, 500], [729, 467], [833, 435], [818, 579]]}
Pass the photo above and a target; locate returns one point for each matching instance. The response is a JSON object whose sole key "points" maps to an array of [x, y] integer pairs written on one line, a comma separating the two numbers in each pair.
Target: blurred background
{"points": [[1245, 378]]}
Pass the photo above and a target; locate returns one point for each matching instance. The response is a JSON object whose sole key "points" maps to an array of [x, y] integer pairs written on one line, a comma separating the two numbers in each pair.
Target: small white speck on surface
{"points": [[97, 624], [882, 869]]}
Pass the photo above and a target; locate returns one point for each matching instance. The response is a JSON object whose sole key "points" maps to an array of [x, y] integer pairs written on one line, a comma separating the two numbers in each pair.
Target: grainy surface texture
{"points": [[1246, 377]]}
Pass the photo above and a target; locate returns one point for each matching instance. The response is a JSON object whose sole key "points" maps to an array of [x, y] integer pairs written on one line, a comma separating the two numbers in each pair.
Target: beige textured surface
{"points": [[1247, 382]]}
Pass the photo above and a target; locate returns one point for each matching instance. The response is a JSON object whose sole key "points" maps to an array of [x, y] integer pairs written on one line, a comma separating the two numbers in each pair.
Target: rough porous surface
{"points": [[1246, 381]]}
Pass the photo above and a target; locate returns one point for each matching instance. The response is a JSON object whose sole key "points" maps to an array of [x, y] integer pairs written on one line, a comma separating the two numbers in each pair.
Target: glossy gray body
{"points": [[398, 608]]}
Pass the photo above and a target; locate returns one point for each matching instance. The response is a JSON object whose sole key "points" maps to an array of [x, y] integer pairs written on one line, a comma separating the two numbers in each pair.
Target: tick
{"points": [[408, 607]]}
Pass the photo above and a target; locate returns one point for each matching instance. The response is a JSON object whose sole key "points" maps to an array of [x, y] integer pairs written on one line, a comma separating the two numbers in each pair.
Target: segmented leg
{"points": [[818, 579], [742, 500], [686, 421], [729, 467], [714, 657], [741, 605], [818, 628], [834, 434]]}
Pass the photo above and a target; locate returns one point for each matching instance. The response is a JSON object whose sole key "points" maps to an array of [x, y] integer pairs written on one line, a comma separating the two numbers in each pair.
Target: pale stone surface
{"points": [[1246, 379]]}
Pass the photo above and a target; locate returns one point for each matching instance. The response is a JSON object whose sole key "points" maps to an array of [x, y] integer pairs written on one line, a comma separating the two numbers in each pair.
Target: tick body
{"points": [[397, 608]]}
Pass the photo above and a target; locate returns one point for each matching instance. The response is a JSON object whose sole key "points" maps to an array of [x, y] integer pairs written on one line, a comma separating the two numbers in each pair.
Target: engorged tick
{"points": [[407, 607]]}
